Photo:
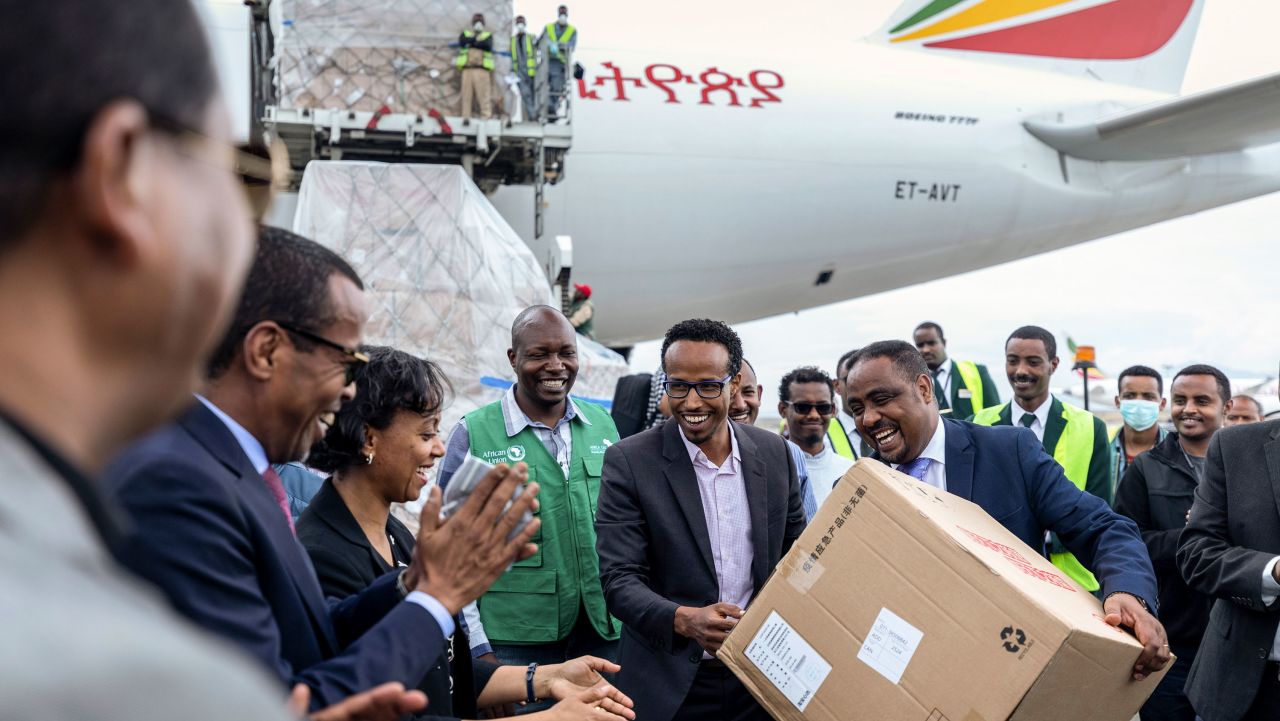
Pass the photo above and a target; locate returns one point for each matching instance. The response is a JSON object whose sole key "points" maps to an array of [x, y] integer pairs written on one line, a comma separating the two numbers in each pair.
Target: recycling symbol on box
{"points": [[1014, 639]]}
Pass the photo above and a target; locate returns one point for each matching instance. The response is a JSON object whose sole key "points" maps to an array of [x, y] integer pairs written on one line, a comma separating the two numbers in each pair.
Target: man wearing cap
{"points": [[581, 313]]}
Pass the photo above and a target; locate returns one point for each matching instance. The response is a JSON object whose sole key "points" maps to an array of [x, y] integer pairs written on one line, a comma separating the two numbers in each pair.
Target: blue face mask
{"points": [[1139, 414]]}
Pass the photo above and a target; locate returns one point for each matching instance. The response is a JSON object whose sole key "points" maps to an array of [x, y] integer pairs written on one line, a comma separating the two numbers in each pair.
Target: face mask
{"points": [[478, 26], [520, 28], [563, 19], [1138, 414]]}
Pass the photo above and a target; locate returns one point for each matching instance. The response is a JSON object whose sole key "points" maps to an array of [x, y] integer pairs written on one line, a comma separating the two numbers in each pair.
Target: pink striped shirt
{"points": [[724, 506]]}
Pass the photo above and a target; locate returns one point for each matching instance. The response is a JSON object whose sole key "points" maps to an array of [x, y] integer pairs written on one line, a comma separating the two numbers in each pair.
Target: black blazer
{"points": [[346, 563], [1233, 533], [207, 532], [655, 551]]}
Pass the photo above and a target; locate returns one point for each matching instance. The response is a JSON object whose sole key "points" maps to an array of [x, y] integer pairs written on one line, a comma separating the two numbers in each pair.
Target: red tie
{"points": [[276, 486]]}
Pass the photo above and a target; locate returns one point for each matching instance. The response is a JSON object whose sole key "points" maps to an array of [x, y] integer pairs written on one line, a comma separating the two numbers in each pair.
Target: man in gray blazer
{"points": [[693, 516], [124, 235], [1229, 550]]}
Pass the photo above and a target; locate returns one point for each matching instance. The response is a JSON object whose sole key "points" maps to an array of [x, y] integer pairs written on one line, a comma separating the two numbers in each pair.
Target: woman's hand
{"points": [[563, 680], [599, 703]]}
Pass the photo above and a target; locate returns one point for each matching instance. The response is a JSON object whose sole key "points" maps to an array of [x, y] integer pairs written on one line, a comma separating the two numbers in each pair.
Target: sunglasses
{"points": [[356, 360], [705, 389], [805, 409]]}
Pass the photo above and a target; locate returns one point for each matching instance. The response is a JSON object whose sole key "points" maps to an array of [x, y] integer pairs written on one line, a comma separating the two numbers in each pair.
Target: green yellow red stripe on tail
{"points": [[1117, 30]]}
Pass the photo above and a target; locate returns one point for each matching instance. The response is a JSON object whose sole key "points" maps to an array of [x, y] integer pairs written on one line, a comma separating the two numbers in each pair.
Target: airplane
{"points": [[962, 134]]}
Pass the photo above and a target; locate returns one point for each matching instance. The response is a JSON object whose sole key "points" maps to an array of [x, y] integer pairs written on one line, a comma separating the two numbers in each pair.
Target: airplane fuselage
{"points": [[873, 169]]}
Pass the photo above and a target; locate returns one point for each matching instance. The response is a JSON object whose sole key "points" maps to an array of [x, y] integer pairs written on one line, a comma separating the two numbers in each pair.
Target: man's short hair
{"points": [[803, 374], [930, 324], [526, 317], [65, 61], [288, 283], [1249, 399], [1143, 372], [1201, 369], [845, 361], [902, 354], [704, 330], [1035, 332]]}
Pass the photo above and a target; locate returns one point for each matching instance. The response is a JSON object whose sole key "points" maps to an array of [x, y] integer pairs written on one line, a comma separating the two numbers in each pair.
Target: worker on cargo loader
{"points": [[524, 63], [1008, 474], [475, 60], [582, 312], [1075, 438], [561, 39]]}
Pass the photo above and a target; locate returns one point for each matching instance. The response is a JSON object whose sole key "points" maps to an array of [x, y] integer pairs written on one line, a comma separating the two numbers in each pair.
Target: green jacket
{"points": [[962, 397], [538, 600], [1092, 476]]}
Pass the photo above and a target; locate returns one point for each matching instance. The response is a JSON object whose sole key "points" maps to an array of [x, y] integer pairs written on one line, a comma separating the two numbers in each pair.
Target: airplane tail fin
{"points": [[1144, 43]]}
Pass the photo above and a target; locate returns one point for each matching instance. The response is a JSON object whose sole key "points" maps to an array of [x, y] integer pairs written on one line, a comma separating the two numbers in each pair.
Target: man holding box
{"points": [[1007, 473]]}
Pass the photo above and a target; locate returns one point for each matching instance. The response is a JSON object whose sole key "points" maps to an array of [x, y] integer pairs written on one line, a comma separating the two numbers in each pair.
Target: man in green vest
{"points": [[561, 39], [524, 63], [961, 387], [548, 608], [1075, 438], [475, 62]]}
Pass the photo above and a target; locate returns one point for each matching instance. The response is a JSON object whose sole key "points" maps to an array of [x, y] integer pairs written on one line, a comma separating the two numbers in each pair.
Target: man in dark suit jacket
{"points": [[682, 551], [211, 522], [1229, 550], [1008, 474]]}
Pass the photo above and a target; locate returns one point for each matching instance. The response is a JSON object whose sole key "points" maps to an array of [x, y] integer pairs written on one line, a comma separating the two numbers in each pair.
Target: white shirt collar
{"points": [[250, 445], [1041, 413], [516, 420], [696, 455], [937, 448]]}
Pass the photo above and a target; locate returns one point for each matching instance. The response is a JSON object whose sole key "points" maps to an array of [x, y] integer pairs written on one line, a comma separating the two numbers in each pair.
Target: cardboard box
{"points": [[902, 602]]}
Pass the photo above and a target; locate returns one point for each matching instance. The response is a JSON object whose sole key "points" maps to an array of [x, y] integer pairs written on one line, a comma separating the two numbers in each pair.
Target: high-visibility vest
{"points": [[840, 440], [462, 52], [1073, 452], [972, 380], [530, 59], [538, 599], [569, 32]]}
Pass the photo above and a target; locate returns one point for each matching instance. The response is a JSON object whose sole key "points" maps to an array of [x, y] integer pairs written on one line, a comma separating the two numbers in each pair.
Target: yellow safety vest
{"points": [[531, 60], [1073, 452], [840, 440], [569, 31], [462, 52], [973, 381]]}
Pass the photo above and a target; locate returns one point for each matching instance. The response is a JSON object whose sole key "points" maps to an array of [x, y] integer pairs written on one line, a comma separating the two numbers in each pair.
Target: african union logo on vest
{"points": [[515, 454]]}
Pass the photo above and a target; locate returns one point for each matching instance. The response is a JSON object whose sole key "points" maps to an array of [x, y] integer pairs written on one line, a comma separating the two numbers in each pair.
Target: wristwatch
{"points": [[528, 683], [1145, 607]]}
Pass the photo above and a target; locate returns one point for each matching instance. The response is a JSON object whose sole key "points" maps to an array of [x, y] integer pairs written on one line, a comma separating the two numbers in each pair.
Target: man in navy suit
{"points": [[1006, 472], [211, 523]]}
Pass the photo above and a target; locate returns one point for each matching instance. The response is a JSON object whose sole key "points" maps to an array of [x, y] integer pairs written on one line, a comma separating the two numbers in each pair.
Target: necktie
{"points": [[276, 486], [917, 468], [1027, 420], [938, 391]]}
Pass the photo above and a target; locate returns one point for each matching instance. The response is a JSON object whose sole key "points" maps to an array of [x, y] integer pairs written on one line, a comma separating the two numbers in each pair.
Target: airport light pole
{"points": [[1086, 359]]}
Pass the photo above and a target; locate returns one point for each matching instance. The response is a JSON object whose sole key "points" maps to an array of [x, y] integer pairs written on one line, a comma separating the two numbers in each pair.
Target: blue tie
{"points": [[917, 468]]}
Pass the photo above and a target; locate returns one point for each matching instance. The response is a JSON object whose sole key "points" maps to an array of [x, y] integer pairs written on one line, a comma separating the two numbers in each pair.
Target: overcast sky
{"points": [[1198, 289]]}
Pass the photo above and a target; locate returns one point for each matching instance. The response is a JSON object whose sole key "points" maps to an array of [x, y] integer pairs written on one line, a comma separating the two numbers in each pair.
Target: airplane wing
{"points": [[1226, 119]]}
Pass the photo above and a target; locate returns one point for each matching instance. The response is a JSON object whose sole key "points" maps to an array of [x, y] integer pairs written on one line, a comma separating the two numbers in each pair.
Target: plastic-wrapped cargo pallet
{"points": [[363, 54], [444, 273]]}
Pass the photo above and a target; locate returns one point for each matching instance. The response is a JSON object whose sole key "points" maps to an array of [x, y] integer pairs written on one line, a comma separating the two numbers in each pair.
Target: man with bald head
{"points": [[548, 608]]}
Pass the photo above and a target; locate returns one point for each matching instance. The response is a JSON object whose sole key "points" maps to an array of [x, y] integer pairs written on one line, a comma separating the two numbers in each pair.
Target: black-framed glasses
{"points": [[804, 409], [357, 360], [705, 389]]}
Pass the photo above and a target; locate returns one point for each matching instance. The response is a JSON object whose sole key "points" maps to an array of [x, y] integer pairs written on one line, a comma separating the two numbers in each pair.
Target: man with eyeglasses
{"points": [[693, 516], [211, 523], [807, 404]]}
